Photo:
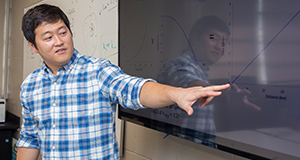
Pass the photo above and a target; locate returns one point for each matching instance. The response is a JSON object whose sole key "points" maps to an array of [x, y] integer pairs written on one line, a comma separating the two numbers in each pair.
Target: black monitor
{"points": [[252, 44]]}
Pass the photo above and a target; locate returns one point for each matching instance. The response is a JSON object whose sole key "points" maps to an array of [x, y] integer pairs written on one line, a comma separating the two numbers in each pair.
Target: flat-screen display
{"points": [[252, 44]]}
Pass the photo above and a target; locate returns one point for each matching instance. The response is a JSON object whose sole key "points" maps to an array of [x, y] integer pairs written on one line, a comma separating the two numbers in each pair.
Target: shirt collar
{"points": [[74, 58]]}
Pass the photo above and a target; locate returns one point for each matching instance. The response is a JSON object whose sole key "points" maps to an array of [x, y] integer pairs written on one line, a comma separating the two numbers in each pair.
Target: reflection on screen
{"points": [[253, 45]]}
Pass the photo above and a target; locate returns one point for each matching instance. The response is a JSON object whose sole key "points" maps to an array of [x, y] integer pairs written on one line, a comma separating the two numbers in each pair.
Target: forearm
{"points": [[27, 153], [155, 95]]}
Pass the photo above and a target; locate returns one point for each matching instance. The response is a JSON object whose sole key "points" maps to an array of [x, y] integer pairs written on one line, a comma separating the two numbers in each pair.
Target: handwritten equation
{"points": [[109, 45], [108, 6], [169, 112]]}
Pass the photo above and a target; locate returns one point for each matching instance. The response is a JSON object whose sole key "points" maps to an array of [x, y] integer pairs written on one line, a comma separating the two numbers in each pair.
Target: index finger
{"points": [[217, 87]]}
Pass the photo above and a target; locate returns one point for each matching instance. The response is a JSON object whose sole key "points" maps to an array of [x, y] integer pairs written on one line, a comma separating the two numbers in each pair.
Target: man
{"points": [[69, 103]]}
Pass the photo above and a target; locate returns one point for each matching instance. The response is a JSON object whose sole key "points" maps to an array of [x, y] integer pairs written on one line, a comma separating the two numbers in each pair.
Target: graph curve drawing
{"points": [[266, 46], [184, 33], [140, 48]]}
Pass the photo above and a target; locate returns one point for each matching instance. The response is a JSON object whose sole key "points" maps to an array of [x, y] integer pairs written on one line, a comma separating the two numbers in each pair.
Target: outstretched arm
{"points": [[155, 95]]}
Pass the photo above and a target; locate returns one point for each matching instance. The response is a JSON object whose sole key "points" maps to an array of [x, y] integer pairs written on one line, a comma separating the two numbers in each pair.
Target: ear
{"points": [[33, 48]]}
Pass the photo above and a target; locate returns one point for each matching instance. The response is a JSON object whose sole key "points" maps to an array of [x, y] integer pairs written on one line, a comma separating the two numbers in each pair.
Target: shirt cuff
{"points": [[138, 104], [27, 142]]}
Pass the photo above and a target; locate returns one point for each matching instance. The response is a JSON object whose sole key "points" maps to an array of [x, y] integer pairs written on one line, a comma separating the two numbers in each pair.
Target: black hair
{"points": [[205, 23], [39, 14]]}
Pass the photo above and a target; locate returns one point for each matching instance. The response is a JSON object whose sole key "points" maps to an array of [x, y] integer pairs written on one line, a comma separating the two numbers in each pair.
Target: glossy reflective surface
{"points": [[252, 44]]}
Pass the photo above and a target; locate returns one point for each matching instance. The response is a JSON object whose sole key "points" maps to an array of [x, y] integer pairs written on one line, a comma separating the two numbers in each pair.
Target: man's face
{"points": [[210, 47], [54, 43]]}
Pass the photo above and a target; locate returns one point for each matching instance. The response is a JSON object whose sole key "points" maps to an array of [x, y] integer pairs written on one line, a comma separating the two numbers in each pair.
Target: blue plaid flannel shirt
{"points": [[71, 115]]}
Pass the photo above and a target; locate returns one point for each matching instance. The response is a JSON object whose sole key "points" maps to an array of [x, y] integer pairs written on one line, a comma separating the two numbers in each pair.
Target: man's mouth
{"points": [[215, 53], [60, 51]]}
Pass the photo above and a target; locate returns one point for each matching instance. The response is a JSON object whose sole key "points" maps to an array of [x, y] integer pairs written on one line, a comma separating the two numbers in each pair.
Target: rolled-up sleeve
{"points": [[123, 89], [28, 134]]}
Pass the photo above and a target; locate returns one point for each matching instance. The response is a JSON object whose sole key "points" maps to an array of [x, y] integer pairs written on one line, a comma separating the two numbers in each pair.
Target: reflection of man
{"points": [[206, 46], [208, 37]]}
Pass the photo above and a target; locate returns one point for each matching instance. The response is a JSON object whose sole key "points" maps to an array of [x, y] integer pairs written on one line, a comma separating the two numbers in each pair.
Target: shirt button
{"points": [[54, 126], [54, 104], [53, 147]]}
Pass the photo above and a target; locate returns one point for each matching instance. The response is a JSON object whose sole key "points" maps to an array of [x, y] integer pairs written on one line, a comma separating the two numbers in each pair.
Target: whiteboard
{"points": [[94, 25]]}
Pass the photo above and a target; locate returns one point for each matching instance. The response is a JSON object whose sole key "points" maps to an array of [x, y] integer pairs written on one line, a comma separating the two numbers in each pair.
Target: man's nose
{"points": [[219, 44], [58, 41]]}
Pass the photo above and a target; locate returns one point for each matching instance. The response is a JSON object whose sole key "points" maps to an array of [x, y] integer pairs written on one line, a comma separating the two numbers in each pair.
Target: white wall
{"points": [[15, 70], [2, 14], [139, 143]]}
